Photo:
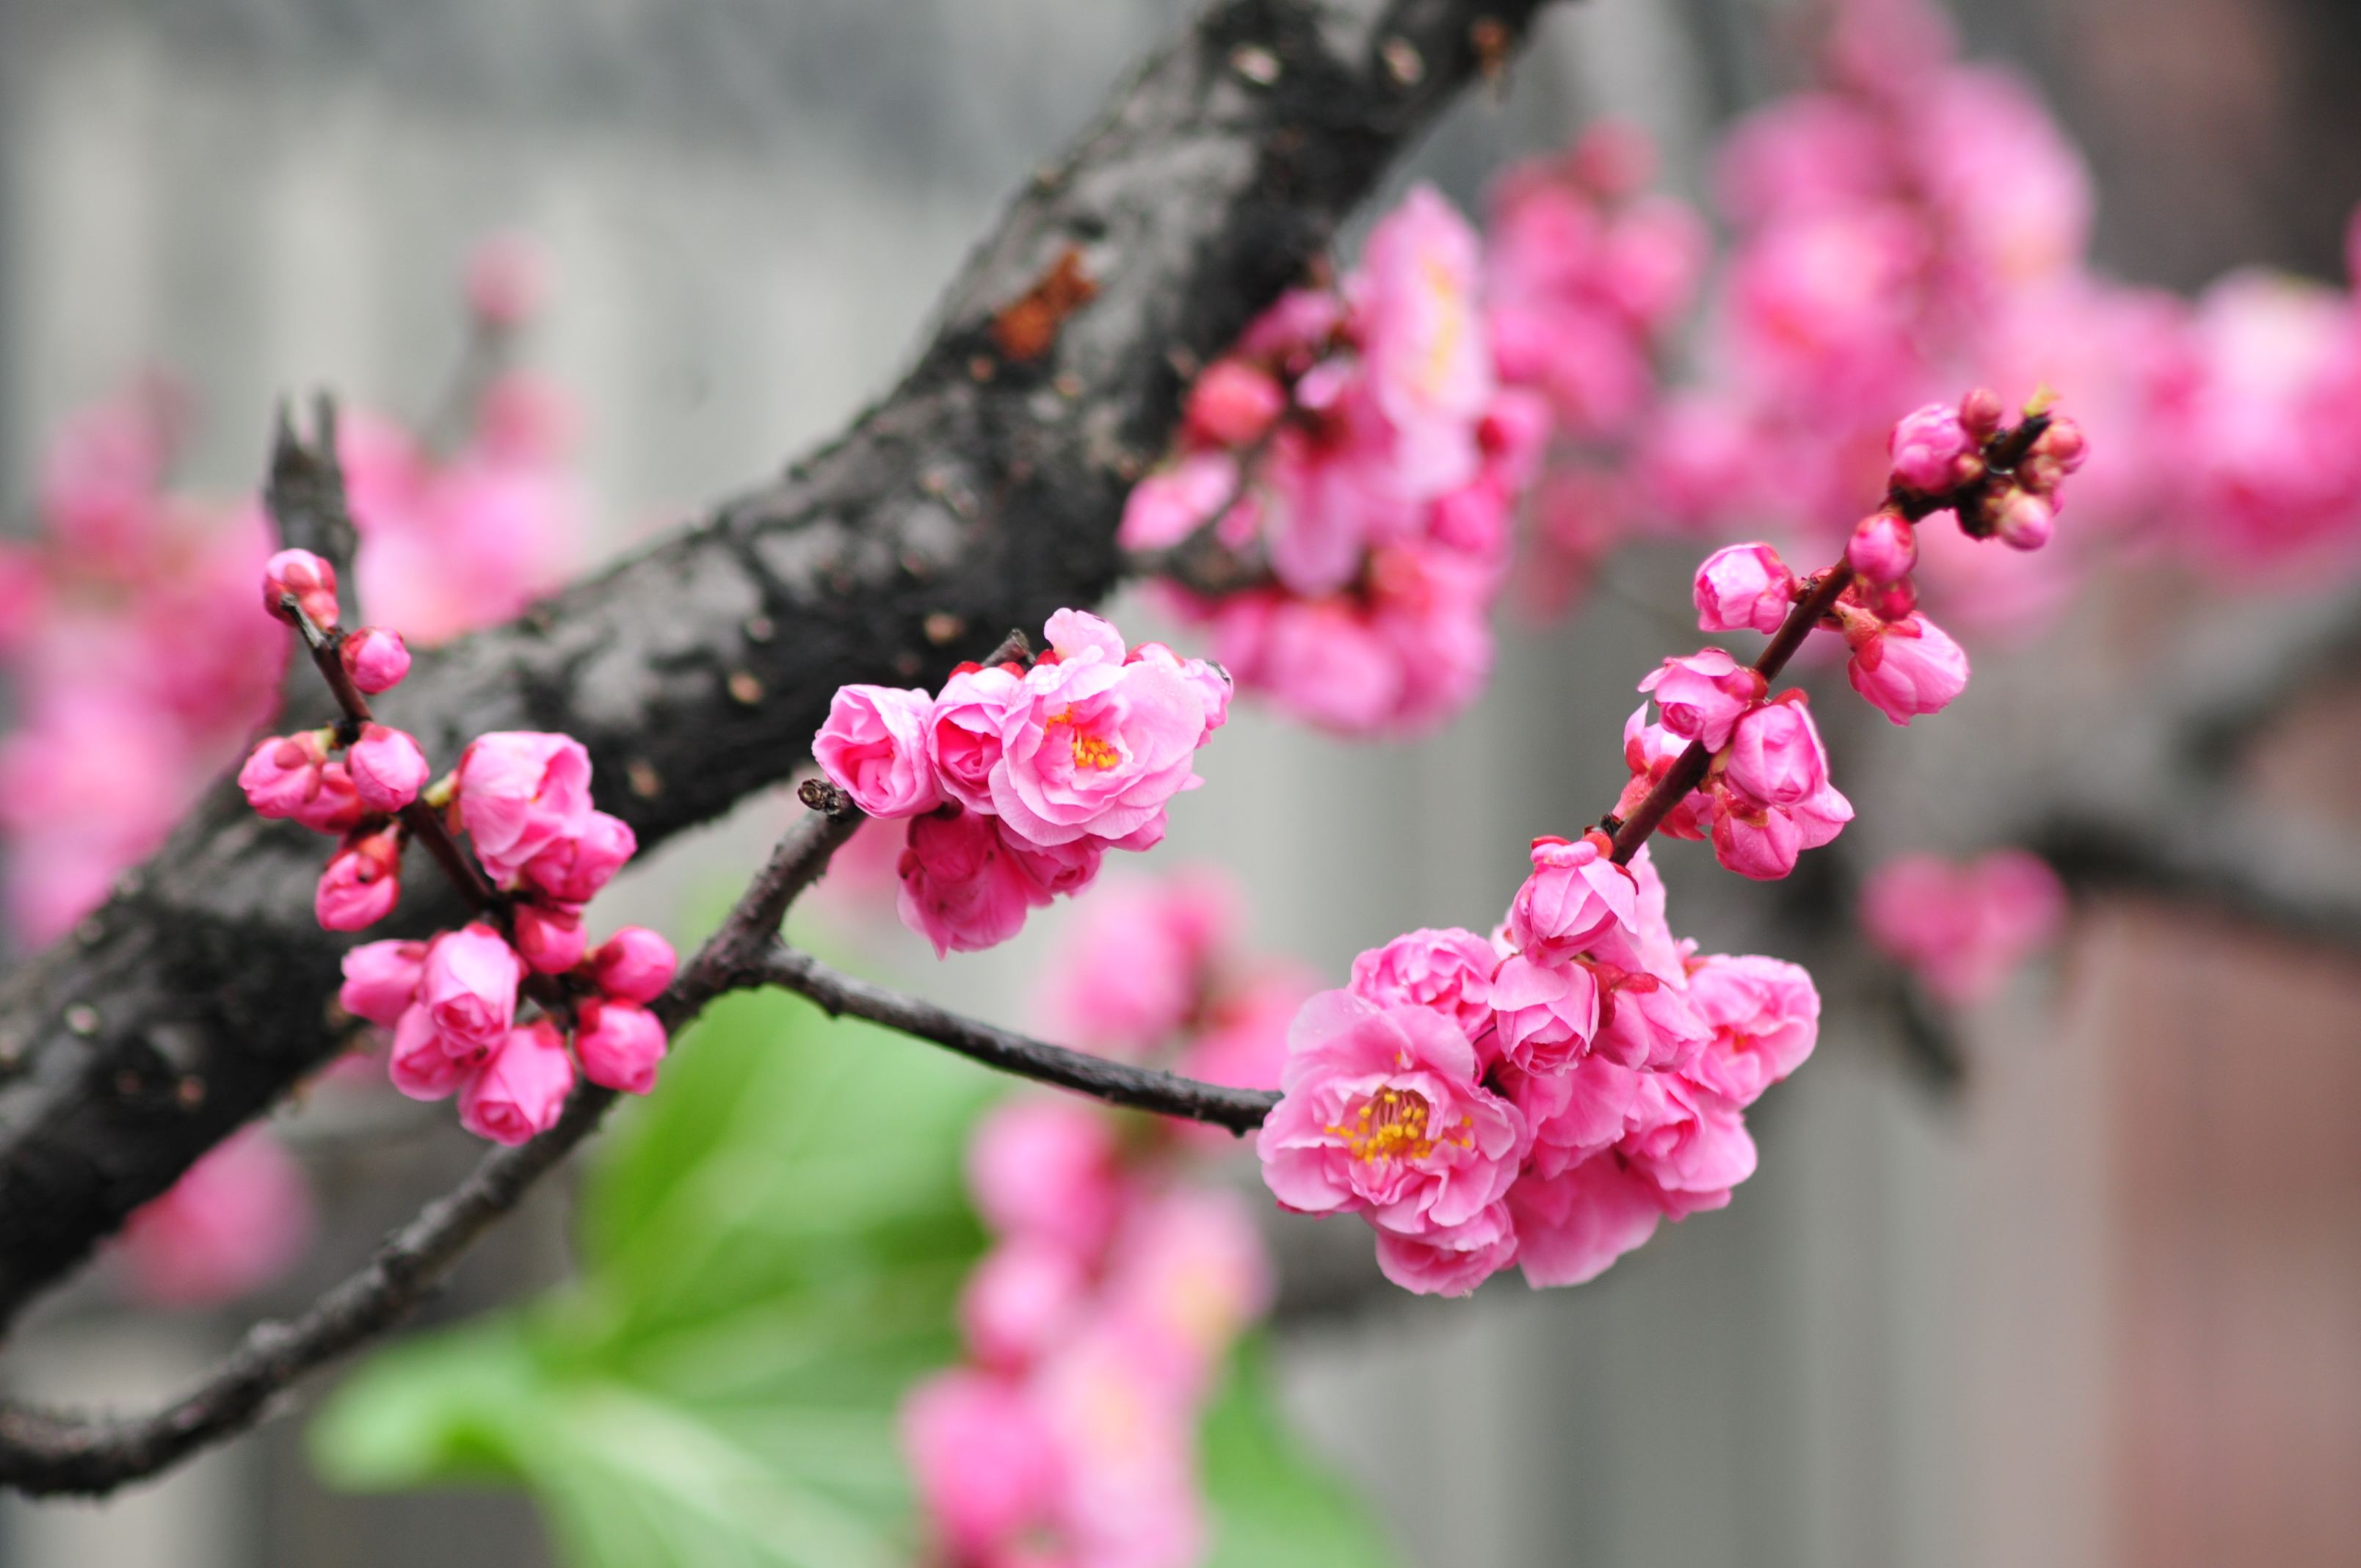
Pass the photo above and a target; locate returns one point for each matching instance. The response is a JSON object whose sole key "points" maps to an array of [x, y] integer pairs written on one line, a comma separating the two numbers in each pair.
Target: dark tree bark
{"points": [[980, 494]]}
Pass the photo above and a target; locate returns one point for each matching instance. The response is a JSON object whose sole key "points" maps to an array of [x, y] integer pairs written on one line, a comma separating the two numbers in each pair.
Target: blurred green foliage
{"points": [[769, 1248]]}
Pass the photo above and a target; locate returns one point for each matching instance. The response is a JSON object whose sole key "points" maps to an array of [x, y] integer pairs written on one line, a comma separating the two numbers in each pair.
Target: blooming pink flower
{"points": [[387, 768], [1703, 695], [1099, 745], [469, 988], [1933, 453], [1186, 1275], [382, 980], [1883, 549], [1573, 1226], [549, 936], [874, 746], [1047, 1167], [982, 1458], [231, 1225], [1688, 1142], [311, 579], [636, 964], [1743, 587], [1575, 1112], [1020, 1299], [1906, 668], [1765, 1016], [1423, 338], [1382, 1113], [521, 1089], [419, 1065], [1448, 971], [520, 792], [1575, 895], [1763, 841], [960, 889], [1126, 1445], [1545, 1012], [1126, 980], [1056, 870], [376, 659], [620, 1043], [1453, 1260], [963, 731], [282, 774], [1646, 1020], [361, 885], [1964, 927], [1776, 757], [577, 865], [1234, 403]]}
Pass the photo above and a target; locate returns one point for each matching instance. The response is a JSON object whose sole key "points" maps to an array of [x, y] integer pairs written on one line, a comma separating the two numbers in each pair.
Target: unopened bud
{"points": [[1893, 602], [2026, 520], [376, 658], [310, 579], [1234, 403], [1981, 412], [1883, 549]]}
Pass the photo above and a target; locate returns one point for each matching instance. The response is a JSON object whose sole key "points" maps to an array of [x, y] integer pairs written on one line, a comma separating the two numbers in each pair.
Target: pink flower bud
{"points": [[1234, 403], [1701, 695], [382, 980], [336, 806], [984, 1460], [1981, 412], [361, 884], [2026, 520], [469, 987], [1753, 840], [1056, 869], [420, 1065], [1906, 667], [1883, 549], [960, 888], [232, 1224], [521, 1089], [505, 280], [873, 747], [282, 774], [1020, 1299], [1776, 757], [1891, 602], [2063, 444], [549, 936], [621, 1044], [387, 768], [633, 965], [1048, 1168], [520, 792], [312, 580], [1573, 896], [1743, 587], [1547, 1011], [376, 658], [1929, 446], [573, 870]]}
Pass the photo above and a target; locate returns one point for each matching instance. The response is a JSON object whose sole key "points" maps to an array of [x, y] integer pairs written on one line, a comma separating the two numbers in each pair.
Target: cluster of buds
{"points": [[1020, 774], [485, 1011]]}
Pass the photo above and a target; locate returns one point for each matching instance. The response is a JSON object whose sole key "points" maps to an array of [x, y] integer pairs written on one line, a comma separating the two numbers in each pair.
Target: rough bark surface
{"points": [[982, 493]]}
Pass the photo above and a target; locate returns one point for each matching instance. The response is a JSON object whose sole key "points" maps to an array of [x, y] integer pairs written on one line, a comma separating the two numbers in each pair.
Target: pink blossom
{"points": [[1020, 1299], [1452, 1260], [1645, 1020], [1776, 757], [1765, 1016], [1573, 1113], [309, 578], [1883, 549], [382, 980], [1209, 681], [1573, 1226], [1187, 1275], [2026, 520], [636, 964], [1126, 980], [1382, 1113], [1703, 695], [470, 989], [1243, 1041], [1448, 971], [336, 806], [1423, 339], [1964, 929], [874, 747], [1575, 895], [1933, 453], [1650, 750], [549, 936], [1234, 403], [620, 1045], [1126, 1446], [963, 731], [418, 1064], [1743, 587], [1099, 746], [1688, 1142], [1059, 870], [1763, 841], [233, 1223], [387, 768], [960, 889], [982, 1458], [1545, 1010], [282, 774], [577, 865], [376, 659], [1047, 1167], [1906, 668], [521, 1089], [361, 885], [1173, 503], [520, 792]]}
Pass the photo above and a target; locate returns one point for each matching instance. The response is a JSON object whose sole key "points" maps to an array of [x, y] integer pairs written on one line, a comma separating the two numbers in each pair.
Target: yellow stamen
{"points": [[1392, 1125]]}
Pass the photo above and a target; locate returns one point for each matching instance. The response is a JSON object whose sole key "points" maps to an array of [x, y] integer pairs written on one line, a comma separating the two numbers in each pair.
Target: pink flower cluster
{"points": [[1542, 1097], [1017, 780], [1114, 1286], [453, 1003], [231, 1225], [1964, 927], [1358, 444]]}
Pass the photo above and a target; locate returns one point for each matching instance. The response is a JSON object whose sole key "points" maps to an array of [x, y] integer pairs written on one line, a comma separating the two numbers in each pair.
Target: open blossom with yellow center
{"points": [[1395, 1123], [1089, 751]]}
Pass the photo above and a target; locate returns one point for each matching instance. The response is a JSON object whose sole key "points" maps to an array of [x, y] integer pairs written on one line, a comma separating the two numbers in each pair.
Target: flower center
{"points": [[1392, 1123], [1089, 751]]}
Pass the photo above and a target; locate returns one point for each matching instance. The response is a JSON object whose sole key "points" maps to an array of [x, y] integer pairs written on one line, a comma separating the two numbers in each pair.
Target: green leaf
{"points": [[1273, 1504]]}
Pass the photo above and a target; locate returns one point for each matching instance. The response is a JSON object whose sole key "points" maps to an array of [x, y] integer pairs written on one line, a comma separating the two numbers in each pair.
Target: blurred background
{"points": [[2067, 1277]]}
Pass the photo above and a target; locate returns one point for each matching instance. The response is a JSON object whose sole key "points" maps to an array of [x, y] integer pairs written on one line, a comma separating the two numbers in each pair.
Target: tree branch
{"points": [[982, 493]]}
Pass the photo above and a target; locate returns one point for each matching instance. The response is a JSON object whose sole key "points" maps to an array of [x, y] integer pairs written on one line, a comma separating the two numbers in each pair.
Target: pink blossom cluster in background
{"points": [[233, 1222], [1963, 926], [1018, 778], [1116, 1283], [522, 800]]}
